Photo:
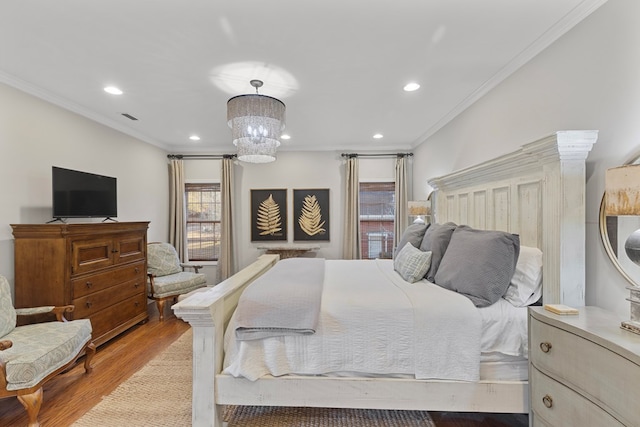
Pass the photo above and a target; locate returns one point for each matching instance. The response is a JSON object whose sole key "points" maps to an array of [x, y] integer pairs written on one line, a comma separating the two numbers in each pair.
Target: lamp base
{"points": [[631, 326]]}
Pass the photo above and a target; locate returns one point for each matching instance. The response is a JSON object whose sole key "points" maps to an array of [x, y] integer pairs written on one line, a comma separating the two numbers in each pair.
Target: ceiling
{"points": [[338, 65]]}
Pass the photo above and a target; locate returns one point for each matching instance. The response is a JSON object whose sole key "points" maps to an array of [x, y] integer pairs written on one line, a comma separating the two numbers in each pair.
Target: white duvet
{"points": [[374, 323]]}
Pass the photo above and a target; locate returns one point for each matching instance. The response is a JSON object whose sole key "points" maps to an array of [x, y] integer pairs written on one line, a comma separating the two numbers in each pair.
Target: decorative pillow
{"points": [[526, 284], [479, 264], [411, 263], [436, 240], [412, 234]]}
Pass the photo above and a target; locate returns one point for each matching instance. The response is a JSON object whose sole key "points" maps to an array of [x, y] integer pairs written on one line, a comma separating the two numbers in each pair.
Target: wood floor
{"points": [[68, 396]]}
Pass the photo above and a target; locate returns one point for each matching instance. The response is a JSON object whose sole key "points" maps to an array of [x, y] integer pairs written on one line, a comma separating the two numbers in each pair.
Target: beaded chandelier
{"points": [[256, 122]]}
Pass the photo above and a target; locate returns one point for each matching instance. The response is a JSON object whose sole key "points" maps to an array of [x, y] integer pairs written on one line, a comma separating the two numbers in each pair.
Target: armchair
{"points": [[167, 276], [32, 354]]}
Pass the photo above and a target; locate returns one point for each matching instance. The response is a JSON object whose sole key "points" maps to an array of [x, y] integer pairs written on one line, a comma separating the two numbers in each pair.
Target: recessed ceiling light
{"points": [[113, 90], [285, 136], [378, 136], [194, 138], [410, 87]]}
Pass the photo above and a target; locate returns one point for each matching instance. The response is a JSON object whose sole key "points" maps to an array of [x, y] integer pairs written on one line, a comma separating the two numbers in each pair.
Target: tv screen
{"points": [[79, 194]]}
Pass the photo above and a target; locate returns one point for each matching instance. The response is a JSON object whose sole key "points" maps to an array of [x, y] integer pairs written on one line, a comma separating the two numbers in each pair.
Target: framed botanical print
{"points": [[268, 215], [311, 214]]}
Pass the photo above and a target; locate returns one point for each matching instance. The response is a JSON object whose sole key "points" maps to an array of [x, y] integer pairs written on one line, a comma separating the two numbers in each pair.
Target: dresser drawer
{"points": [[96, 301], [115, 315], [90, 254], [129, 247], [89, 284], [554, 404], [589, 368]]}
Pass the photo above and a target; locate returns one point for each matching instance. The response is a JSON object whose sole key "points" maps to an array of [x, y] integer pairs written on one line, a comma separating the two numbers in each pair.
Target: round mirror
{"points": [[620, 237]]}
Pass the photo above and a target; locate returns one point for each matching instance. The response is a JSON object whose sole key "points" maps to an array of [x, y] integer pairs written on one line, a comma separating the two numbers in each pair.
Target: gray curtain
{"points": [[177, 215], [351, 243], [226, 258], [402, 214]]}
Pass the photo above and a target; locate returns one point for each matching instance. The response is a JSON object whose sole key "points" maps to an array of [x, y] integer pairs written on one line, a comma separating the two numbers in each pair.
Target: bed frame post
{"points": [[208, 313], [564, 218]]}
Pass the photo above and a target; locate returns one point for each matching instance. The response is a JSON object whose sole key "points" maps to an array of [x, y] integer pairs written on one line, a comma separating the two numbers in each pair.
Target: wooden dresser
{"points": [[98, 267], [584, 369]]}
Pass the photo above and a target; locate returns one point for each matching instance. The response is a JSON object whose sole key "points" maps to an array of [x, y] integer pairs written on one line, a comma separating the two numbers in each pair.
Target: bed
{"points": [[537, 192]]}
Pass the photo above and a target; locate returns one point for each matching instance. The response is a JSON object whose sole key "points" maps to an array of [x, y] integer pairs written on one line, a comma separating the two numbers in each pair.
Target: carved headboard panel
{"points": [[537, 192]]}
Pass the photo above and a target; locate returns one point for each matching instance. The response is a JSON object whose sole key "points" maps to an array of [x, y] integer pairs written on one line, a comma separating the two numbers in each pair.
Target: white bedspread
{"points": [[372, 322]]}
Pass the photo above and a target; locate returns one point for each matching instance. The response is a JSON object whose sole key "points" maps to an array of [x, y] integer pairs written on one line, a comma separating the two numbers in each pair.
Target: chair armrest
{"points": [[5, 344], [59, 311], [195, 267]]}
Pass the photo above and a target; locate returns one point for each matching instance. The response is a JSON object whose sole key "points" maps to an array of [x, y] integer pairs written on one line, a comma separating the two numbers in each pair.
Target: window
{"points": [[203, 221], [377, 213]]}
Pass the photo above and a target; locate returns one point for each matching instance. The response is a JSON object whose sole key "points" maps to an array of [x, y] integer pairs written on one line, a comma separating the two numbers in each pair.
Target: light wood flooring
{"points": [[68, 396]]}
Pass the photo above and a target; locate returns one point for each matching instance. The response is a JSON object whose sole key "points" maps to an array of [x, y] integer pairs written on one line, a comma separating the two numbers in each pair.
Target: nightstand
{"points": [[584, 370]]}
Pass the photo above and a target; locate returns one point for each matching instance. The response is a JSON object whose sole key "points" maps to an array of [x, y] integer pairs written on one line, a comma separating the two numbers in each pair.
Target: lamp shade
{"points": [[419, 207], [256, 122], [622, 190]]}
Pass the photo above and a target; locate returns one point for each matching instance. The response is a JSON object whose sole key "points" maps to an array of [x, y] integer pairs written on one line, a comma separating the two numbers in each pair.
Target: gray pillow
{"points": [[436, 240], [412, 234], [479, 264]]}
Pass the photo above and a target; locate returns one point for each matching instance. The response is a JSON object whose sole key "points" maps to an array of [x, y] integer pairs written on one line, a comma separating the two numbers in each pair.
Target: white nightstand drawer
{"points": [[557, 405]]}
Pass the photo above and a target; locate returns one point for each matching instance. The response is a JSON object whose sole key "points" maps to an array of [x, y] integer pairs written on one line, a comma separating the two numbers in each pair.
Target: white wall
{"points": [[589, 79], [35, 135]]}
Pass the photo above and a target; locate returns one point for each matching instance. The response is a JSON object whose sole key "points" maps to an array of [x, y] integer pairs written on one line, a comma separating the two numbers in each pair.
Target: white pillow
{"points": [[526, 284], [412, 263]]}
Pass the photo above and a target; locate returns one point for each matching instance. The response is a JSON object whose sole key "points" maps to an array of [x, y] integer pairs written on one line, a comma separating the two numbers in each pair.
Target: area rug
{"points": [[159, 395]]}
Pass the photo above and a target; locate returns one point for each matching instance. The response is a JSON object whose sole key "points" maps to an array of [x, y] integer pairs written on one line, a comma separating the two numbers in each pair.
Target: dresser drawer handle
{"points": [[137, 270], [89, 284], [545, 347], [547, 400], [88, 304]]}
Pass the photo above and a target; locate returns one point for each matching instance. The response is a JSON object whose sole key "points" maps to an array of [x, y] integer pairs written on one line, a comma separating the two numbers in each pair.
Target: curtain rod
{"points": [[398, 155], [201, 156]]}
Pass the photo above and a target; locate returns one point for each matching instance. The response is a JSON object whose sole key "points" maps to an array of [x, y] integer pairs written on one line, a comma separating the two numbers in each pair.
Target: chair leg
{"points": [[160, 304], [90, 351], [32, 403]]}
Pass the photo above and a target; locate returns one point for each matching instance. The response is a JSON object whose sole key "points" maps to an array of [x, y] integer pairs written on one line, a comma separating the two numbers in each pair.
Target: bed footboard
{"points": [[208, 313]]}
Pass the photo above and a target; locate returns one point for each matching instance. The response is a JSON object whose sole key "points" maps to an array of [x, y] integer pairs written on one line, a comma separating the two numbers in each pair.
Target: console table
{"points": [[291, 251]]}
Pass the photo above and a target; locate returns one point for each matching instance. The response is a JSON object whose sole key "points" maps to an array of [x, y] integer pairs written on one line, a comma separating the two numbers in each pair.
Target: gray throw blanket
{"points": [[284, 301]]}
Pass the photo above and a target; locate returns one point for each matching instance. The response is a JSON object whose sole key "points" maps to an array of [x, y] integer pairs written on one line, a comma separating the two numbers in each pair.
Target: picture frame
{"points": [[311, 214], [269, 215]]}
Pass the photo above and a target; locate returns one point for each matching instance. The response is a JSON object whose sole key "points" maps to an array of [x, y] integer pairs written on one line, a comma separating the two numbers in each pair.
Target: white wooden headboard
{"points": [[537, 192]]}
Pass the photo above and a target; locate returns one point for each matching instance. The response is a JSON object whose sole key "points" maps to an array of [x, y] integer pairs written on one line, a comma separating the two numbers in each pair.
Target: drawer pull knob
{"points": [[114, 251], [88, 304], [89, 284], [137, 270], [547, 400], [545, 347]]}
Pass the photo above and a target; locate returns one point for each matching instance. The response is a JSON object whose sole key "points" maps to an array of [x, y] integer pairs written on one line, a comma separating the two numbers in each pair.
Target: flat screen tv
{"points": [[79, 194]]}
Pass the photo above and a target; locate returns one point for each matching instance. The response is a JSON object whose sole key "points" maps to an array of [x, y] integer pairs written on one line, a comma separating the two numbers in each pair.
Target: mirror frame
{"points": [[604, 236]]}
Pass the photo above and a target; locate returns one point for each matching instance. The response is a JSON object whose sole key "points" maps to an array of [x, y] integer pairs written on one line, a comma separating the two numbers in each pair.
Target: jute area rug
{"points": [[159, 395]]}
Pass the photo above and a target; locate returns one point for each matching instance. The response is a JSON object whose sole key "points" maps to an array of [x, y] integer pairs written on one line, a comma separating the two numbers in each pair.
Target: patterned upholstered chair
{"points": [[32, 354], [167, 276]]}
